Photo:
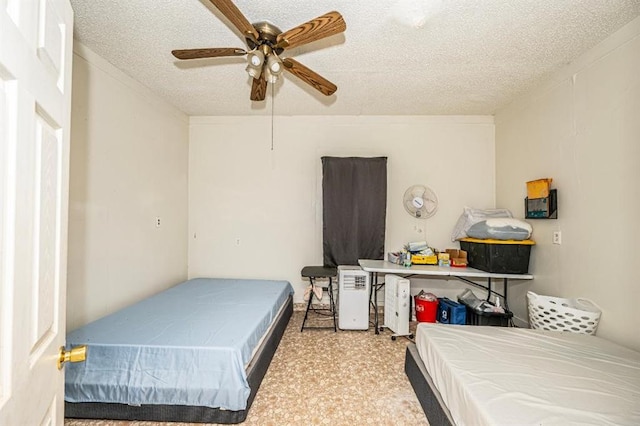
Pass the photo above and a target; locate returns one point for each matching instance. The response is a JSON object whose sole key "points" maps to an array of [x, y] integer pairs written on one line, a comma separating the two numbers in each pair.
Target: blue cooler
{"points": [[450, 312]]}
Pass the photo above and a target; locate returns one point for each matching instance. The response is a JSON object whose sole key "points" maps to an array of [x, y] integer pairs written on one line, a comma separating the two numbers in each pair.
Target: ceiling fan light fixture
{"points": [[255, 58], [274, 64], [274, 68], [254, 72], [271, 78]]}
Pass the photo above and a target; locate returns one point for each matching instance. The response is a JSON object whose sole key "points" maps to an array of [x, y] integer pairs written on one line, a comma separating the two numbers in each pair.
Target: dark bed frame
{"points": [[256, 370], [434, 408]]}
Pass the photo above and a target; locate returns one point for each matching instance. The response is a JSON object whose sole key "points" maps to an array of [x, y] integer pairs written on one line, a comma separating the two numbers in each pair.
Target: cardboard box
{"points": [[539, 188], [457, 257], [421, 259]]}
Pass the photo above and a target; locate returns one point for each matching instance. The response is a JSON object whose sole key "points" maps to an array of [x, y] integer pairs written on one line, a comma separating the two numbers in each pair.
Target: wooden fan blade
{"points": [[233, 14], [323, 26], [310, 77], [259, 88], [213, 52]]}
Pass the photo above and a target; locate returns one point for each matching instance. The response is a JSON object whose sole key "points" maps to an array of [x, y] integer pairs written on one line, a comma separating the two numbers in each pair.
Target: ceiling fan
{"points": [[266, 43]]}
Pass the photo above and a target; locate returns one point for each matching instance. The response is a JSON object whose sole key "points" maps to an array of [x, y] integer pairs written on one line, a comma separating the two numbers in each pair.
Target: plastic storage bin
{"points": [[558, 314], [426, 310], [497, 319], [450, 312], [498, 256]]}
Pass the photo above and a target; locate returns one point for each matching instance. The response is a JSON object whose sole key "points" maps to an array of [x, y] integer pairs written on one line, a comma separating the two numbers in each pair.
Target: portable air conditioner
{"points": [[353, 298], [397, 301]]}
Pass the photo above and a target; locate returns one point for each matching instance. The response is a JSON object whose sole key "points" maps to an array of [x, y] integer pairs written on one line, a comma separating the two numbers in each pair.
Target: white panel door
{"points": [[35, 104]]}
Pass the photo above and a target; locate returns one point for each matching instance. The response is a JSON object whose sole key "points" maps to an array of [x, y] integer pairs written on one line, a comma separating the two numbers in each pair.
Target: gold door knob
{"points": [[77, 354]]}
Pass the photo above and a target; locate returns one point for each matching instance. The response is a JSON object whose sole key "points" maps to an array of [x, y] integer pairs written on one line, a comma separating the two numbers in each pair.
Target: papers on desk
{"points": [[417, 246]]}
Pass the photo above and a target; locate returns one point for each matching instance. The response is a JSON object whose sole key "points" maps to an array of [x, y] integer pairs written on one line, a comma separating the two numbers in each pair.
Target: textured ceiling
{"points": [[398, 57]]}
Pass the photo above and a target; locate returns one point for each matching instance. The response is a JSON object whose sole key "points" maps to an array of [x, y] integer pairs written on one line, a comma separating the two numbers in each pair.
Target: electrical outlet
{"points": [[237, 241], [557, 237], [157, 221]]}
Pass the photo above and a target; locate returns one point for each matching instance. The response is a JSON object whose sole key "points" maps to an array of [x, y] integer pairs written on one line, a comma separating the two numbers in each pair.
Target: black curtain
{"points": [[354, 197]]}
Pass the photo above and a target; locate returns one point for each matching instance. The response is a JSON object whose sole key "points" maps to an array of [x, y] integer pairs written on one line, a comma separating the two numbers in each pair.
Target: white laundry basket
{"points": [[555, 313]]}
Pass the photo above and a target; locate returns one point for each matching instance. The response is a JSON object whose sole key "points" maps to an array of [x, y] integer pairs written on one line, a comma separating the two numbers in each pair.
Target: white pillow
{"points": [[501, 229], [471, 216]]}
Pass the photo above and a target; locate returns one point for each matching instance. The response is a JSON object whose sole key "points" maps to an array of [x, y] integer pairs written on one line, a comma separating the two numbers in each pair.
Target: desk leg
{"points": [[506, 303], [375, 302]]}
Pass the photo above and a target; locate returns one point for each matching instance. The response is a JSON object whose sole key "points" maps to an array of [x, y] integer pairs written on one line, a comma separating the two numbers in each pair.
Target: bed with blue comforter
{"points": [[196, 352]]}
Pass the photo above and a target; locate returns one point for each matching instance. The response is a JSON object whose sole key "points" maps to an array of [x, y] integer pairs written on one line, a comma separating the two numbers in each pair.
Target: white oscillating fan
{"points": [[420, 201]]}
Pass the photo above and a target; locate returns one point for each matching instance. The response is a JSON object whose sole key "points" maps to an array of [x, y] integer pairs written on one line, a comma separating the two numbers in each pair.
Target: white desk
{"points": [[464, 274]]}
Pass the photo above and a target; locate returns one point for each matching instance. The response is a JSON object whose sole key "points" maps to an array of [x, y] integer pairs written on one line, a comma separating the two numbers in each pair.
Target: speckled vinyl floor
{"points": [[319, 377]]}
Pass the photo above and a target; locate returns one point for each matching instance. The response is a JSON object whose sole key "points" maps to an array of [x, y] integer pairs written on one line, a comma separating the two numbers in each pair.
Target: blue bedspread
{"points": [[185, 346]]}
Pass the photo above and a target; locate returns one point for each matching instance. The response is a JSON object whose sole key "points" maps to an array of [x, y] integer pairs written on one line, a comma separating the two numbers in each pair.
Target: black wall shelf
{"points": [[542, 208]]}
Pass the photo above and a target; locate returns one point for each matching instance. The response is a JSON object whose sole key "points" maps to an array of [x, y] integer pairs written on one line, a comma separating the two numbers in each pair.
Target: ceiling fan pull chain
{"points": [[272, 89]]}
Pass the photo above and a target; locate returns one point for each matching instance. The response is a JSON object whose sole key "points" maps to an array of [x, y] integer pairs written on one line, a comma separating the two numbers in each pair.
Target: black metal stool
{"points": [[313, 272]]}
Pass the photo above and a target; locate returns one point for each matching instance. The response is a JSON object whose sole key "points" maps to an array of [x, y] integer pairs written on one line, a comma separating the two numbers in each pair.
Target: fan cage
{"points": [[428, 197]]}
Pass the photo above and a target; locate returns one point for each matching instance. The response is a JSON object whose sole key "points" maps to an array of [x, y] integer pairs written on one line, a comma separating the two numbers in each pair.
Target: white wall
{"points": [[129, 159], [256, 212], [582, 129]]}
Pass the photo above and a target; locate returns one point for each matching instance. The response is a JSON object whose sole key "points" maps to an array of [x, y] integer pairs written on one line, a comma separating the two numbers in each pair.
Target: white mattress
{"points": [[513, 376]]}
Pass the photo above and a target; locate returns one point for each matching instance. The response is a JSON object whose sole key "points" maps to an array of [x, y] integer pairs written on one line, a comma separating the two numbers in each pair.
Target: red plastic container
{"points": [[426, 311]]}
